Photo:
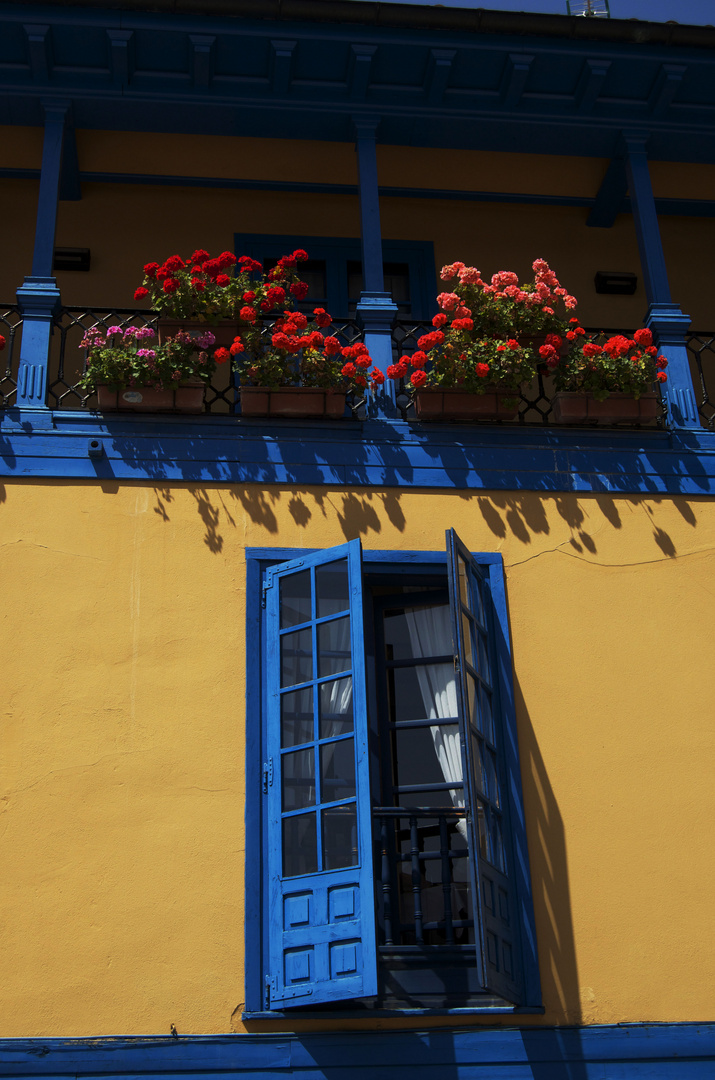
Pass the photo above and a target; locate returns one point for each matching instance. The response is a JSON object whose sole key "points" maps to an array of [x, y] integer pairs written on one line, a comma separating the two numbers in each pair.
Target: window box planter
{"points": [[224, 331], [187, 398], [493, 404], [293, 402], [619, 408]]}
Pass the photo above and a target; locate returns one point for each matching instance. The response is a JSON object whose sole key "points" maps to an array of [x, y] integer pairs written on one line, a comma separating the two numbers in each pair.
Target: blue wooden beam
{"points": [[611, 196], [645, 218], [121, 56], [376, 309], [439, 69], [202, 58], [593, 74], [38, 47], [516, 72], [55, 119], [39, 296], [281, 66], [665, 318], [70, 187], [359, 70], [666, 86]]}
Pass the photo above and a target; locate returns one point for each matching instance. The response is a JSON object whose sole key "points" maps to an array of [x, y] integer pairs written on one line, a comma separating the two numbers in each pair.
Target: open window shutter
{"points": [[494, 896], [321, 912]]}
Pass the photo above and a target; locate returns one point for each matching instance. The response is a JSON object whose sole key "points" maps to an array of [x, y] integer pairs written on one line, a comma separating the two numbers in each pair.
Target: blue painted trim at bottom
{"points": [[45, 444], [655, 1051]]}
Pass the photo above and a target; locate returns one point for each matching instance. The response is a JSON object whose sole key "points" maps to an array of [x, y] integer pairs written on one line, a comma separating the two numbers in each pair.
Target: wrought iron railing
{"points": [[422, 877], [223, 393]]}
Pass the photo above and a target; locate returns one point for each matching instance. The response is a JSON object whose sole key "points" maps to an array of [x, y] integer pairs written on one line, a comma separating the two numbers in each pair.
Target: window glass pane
{"points": [[468, 633], [483, 829], [473, 716], [334, 646], [477, 587], [297, 717], [491, 774], [464, 591], [298, 779], [418, 631], [331, 588], [479, 776], [300, 845], [487, 724], [337, 770], [336, 707], [295, 599], [428, 755], [423, 693], [339, 837], [497, 843], [483, 657], [296, 657]]}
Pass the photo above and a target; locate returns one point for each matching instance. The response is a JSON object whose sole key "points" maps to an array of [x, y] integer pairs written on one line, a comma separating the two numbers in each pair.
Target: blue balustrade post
{"points": [[664, 318], [39, 296], [376, 309]]}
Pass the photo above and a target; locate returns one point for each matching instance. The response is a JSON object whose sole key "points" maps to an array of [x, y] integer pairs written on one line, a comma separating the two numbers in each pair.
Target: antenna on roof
{"points": [[594, 8]]}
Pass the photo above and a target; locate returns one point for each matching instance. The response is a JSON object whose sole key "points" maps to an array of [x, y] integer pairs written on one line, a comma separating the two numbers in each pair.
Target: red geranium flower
{"points": [[226, 258], [223, 280], [237, 347], [661, 377], [221, 356], [247, 314], [171, 285], [299, 290], [348, 370], [377, 377], [300, 255], [140, 294], [150, 269], [418, 377], [482, 370], [321, 317]]}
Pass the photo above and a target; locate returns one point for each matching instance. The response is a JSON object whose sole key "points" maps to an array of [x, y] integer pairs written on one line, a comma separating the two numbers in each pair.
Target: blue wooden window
{"points": [[347, 817], [334, 271]]}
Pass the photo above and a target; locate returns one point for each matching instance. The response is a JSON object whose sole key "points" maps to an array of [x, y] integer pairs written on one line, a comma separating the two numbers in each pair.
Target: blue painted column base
{"points": [[668, 324], [39, 299], [376, 312]]}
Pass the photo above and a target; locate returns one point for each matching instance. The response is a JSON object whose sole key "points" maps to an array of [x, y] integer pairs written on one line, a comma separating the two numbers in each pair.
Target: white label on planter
{"points": [[132, 396]]}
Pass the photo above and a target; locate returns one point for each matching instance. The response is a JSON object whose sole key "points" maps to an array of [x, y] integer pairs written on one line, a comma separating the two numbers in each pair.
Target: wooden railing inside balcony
{"points": [[223, 394]]}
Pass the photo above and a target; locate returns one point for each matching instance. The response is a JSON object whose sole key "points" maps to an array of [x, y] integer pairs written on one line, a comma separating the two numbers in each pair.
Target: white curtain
{"points": [[431, 635]]}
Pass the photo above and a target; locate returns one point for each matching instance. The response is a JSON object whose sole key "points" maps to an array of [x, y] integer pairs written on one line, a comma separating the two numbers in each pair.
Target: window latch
{"points": [[267, 775], [456, 663]]}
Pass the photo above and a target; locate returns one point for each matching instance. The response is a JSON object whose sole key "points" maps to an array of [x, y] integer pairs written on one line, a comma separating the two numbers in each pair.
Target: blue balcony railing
{"points": [[223, 393]]}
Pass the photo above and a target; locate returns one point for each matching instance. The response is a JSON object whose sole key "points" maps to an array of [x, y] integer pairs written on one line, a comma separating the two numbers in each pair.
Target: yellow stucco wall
{"points": [[126, 225], [121, 823]]}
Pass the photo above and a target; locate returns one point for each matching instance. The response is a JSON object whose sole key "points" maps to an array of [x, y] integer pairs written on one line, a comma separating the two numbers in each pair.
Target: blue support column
{"points": [[664, 318], [39, 296], [376, 309]]}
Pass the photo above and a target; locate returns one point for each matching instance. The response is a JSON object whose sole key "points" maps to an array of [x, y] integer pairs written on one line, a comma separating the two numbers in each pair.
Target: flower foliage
{"points": [[210, 289], [129, 357], [483, 334], [301, 353], [601, 365]]}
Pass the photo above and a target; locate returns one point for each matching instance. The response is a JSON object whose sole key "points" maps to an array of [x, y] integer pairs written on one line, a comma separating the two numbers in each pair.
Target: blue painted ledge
{"points": [[614, 1052], [78, 445]]}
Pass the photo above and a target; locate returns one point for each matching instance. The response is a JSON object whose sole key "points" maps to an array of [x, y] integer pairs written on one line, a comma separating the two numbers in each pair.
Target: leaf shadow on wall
{"points": [[549, 877], [524, 516]]}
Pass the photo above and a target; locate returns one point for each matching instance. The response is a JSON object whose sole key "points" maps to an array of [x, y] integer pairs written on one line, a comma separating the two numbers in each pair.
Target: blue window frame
{"points": [[378, 884], [334, 271]]}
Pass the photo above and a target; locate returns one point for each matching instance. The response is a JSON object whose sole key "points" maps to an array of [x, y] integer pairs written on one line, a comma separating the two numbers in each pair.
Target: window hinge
{"points": [[267, 774], [266, 586]]}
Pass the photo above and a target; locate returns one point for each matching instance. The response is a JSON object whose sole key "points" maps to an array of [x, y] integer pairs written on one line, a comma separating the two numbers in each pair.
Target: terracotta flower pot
{"points": [[618, 408], [296, 402], [224, 332], [187, 398], [493, 404]]}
